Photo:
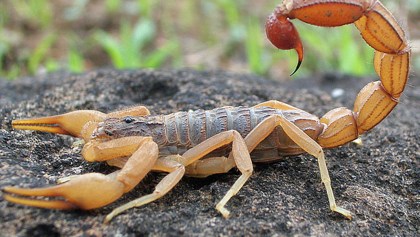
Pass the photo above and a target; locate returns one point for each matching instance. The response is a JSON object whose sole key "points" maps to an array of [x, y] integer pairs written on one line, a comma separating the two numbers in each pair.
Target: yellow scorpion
{"points": [[201, 143]]}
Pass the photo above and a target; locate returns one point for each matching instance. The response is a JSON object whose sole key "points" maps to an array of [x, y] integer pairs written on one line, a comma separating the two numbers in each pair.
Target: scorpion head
{"points": [[108, 129], [112, 128]]}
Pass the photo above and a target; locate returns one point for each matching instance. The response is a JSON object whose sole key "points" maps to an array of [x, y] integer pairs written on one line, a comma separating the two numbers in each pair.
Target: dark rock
{"points": [[378, 182]]}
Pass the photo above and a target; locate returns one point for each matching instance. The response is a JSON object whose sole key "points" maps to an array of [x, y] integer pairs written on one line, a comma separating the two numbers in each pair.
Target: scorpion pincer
{"points": [[201, 143]]}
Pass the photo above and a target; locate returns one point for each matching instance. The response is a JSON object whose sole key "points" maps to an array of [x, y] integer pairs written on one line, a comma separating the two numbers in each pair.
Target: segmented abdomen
{"points": [[193, 127], [184, 130]]}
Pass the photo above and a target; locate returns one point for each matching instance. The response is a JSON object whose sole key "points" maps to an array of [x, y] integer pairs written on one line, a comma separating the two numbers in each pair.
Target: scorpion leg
{"points": [[240, 155], [276, 105], [95, 190], [113, 149], [260, 132], [176, 172], [206, 167], [132, 111], [117, 162], [210, 166]]}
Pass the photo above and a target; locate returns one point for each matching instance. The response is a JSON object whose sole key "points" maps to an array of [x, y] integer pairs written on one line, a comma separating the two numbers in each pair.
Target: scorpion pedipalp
{"points": [[68, 124], [86, 192]]}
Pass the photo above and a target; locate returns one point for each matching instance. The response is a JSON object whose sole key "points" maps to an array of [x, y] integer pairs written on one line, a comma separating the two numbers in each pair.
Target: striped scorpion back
{"points": [[177, 132]]}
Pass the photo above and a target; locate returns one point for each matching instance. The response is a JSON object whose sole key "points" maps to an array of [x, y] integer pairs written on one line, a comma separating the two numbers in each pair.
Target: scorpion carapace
{"points": [[201, 143]]}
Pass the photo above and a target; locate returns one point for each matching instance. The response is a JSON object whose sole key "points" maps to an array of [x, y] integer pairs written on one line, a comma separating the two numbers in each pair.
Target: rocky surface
{"points": [[378, 181]]}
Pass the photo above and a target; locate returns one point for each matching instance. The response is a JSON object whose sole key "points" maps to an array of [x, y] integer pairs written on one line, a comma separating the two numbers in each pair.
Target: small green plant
{"points": [[4, 48], [146, 8], [35, 11], [40, 54], [76, 62], [334, 49], [130, 50], [256, 54], [245, 34], [156, 33], [113, 5]]}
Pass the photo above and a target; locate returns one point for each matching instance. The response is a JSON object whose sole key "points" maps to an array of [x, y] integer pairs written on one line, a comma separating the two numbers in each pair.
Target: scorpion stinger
{"points": [[283, 34]]}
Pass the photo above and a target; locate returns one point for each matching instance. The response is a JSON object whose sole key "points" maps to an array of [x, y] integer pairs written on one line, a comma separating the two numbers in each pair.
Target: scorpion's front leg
{"points": [[176, 171], [241, 158], [95, 190]]}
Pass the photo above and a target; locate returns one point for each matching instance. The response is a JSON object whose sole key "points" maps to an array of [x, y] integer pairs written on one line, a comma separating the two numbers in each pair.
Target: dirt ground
{"points": [[378, 181]]}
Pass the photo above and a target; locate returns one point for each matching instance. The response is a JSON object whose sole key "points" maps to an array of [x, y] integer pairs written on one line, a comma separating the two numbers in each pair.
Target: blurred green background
{"points": [[38, 36]]}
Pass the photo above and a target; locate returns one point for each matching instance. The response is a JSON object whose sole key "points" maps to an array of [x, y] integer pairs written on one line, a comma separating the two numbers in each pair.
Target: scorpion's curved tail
{"points": [[380, 30]]}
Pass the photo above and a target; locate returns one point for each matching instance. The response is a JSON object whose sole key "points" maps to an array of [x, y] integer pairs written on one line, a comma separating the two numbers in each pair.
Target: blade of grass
{"points": [[146, 8], [37, 11], [40, 52], [158, 57], [51, 65], [254, 49], [76, 63], [111, 47], [113, 5], [351, 54]]}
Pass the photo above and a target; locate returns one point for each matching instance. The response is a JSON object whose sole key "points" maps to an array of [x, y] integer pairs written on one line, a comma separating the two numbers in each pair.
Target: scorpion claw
{"points": [[86, 192], [50, 204], [72, 123]]}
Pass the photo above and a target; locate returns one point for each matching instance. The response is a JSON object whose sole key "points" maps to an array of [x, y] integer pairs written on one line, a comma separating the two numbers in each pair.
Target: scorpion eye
{"points": [[128, 119]]}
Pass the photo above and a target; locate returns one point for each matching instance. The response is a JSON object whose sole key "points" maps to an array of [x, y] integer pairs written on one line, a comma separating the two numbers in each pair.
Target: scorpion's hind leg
{"points": [[95, 190], [305, 142], [276, 105]]}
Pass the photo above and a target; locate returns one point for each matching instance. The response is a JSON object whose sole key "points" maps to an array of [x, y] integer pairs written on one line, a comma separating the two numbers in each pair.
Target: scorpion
{"points": [[202, 143]]}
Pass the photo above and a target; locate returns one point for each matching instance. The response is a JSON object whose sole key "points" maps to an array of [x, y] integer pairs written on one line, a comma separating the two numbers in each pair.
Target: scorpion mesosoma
{"points": [[202, 143]]}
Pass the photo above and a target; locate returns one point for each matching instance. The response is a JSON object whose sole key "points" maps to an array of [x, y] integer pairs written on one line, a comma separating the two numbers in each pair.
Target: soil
{"points": [[378, 181]]}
